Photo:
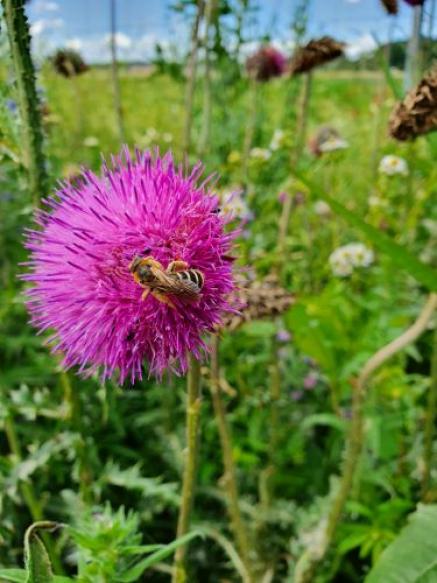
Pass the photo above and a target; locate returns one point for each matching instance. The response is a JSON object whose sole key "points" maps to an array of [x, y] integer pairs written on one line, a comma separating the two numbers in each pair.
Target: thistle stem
{"points": [[191, 78], [430, 419], [114, 71], [301, 130], [190, 465], [230, 479], [28, 101], [308, 563]]}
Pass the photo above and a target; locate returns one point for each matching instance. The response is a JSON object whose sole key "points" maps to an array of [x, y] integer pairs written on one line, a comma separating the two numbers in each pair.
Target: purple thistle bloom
{"points": [[82, 286], [266, 63]]}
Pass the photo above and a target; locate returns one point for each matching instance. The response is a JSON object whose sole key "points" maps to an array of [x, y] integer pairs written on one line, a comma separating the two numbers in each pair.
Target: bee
{"points": [[177, 280]]}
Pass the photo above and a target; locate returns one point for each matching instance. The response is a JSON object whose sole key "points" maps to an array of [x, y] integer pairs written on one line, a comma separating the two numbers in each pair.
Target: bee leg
{"points": [[175, 266], [163, 298], [145, 293]]}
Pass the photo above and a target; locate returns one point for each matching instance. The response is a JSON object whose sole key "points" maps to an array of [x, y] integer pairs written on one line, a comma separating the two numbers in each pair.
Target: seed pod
{"points": [[391, 6], [416, 115], [316, 52]]}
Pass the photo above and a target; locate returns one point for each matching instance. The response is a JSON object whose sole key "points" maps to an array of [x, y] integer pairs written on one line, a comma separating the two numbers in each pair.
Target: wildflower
{"points": [[83, 288], [392, 165], [322, 209], [333, 144], [296, 395], [266, 63], [234, 204], [310, 381], [167, 137], [277, 140], [416, 115], [234, 157], [283, 336], [91, 142], [260, 154], [344, 259], [327, 139], [316, 52], [11, 105], [282, 196]]}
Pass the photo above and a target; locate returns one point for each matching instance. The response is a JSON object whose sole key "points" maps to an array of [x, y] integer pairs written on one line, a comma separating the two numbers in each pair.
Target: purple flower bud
{"points": [[283, 336], [282, 197]]}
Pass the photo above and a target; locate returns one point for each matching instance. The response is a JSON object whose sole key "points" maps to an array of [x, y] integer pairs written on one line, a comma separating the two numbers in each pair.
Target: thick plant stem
{"points": [[230, 479], [430, 419], [301, 130], [207, 81], [114, 70], [28, 493], [413, 63], [28, 101], [190, 465], [308, 563], [191, 78]]}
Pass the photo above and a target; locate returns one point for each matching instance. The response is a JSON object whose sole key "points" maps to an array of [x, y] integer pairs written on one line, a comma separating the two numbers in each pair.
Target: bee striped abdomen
{"points": [[191, 275]]}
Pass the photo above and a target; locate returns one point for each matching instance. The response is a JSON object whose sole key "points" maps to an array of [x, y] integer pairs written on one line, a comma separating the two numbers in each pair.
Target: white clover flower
{"points": [[277, 140], [260, 153], [233, 203], [322, 209], [392, 165], [344, 259], [333, 144], [91, 142]]}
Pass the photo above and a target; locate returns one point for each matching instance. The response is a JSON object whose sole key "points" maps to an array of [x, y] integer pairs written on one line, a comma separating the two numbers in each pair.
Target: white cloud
{"points": [[122, 41], [76, 44], [46, 6], [364, 44], [43, 25]]}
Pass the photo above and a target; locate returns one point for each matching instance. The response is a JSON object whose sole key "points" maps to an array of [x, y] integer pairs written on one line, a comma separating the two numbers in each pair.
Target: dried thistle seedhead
{"points": [[316, 52], [256, 300], [416, 115], [391, 6], [69, 63]]}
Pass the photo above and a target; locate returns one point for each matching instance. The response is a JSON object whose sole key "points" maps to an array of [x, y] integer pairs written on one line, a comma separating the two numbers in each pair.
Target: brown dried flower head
{"points": [[256, 300], [391, 6], [316, 52], [416, 115], [69, 63]]}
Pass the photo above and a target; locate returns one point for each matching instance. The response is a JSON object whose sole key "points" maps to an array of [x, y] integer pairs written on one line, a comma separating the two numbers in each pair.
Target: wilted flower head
{"points": [[316, 52], [416, 115], [68, 63], [266, 63], [83, 288], [392, 165], [344, 259]]}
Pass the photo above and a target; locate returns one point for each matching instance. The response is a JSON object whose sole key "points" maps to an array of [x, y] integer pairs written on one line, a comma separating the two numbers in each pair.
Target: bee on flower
{"points": [[392, 165], [345, 259]]}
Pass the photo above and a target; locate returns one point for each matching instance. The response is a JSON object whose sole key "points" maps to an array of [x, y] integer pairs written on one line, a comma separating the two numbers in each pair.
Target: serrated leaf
{"points": [[412, 557], [37, 560]]}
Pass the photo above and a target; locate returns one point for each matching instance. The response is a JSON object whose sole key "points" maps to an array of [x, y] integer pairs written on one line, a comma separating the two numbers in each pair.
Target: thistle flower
{"points": [[265, 64], [344, 259], [415, 2], [316, 52], [392, 165], [417, 114], [83, 289], [391, 6]]}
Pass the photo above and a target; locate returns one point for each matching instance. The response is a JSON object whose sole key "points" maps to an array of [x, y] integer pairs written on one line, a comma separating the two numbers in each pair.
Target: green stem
{"points": [[207, 95], [250, 128], [191, 78], [230, 479], [308, 562], [114, 70], [301, 130], [413, 63], [33, 504], [190, 465], [31, 127], [430, 419]]}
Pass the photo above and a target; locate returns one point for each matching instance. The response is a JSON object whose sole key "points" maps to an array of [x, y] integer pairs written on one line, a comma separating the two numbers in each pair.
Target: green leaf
{"points": [[399, 255], [38, 567], [13, 575], [137, 570], [412, 557]]}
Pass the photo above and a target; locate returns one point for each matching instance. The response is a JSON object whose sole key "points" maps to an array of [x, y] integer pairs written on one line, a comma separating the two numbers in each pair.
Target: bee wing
{"points": [[171, 284]]}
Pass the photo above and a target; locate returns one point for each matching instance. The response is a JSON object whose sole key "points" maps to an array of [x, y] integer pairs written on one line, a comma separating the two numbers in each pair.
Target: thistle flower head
{"points": [[81, 258], [266, 63]]}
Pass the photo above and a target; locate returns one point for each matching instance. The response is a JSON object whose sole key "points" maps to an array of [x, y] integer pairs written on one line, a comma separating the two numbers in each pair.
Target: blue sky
{"points": [[83, 24]]}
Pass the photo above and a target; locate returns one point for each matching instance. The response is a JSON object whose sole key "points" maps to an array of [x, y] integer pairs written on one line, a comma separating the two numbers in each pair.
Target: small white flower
{"points": [[167, 137], [90, 142], [260, 153], [392, 165], [344, 259], [333, 144], [322, 209], [152, 134], [232, 202], [277, 140]]}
